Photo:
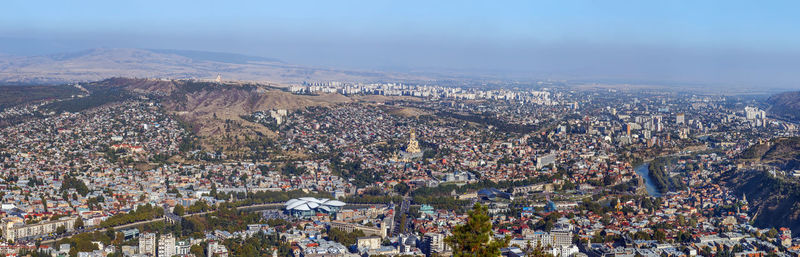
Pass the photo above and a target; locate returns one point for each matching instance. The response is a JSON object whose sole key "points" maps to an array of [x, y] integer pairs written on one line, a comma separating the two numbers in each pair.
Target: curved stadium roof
{"points": [[311, 203]]}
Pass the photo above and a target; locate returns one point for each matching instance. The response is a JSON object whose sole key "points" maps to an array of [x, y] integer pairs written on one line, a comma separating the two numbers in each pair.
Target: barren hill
{"points": [[215, 110]]}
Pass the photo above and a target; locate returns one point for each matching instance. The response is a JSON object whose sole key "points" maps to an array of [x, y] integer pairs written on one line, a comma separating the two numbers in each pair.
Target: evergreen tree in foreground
{"points": [[475, 237]]}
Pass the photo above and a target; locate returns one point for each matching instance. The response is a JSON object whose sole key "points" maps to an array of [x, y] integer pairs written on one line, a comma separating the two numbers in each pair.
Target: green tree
{"points": [[111, 233], [475, 237], [44, 202], [344, 238], [77, 184], [401, 188], [538, 251], [197, 250], [78, 223], [118, 238], [61, 230], [568, 185], [684, 237], [659, 235], [178, 210], [772, 233]]}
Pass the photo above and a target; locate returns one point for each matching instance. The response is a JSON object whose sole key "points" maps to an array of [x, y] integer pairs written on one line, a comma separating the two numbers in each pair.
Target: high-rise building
{"points": [[680, 118], [755, 114], [147, 244], [657, 126], [750, 112], [166, 245], [628, 129], [561, 237], [434, 243]]}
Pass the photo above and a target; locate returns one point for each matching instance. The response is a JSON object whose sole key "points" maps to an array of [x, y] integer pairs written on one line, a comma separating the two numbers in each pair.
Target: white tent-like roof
{"points": [[311, 203]]}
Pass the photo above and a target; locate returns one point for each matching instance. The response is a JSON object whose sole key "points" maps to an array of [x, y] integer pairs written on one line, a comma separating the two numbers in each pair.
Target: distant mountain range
{"points": [[99, 64], [785, 105], [216, 56]]}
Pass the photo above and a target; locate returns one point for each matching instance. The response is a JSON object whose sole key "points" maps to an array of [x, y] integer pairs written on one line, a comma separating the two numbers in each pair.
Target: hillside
{"points": [[14, 95], [783, 153], [214, 110], [785, 105], [774, 200], [99, 64]]}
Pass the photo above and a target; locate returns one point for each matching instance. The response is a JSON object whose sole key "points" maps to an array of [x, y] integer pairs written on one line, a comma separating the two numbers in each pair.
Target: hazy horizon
{"points": [[714, 43]]}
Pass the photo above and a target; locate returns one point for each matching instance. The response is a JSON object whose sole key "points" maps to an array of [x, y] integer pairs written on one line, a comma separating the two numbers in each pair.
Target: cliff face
{"points": [[785, 105]]}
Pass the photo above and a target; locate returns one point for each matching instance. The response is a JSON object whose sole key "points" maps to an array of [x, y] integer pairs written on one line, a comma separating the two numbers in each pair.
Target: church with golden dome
{"points": [[413, 145], [412, 150]]}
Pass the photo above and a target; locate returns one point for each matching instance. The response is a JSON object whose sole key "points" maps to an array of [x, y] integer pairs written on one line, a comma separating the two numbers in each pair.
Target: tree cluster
{"points": [[143, 212], [344, 238], [474, 238]]}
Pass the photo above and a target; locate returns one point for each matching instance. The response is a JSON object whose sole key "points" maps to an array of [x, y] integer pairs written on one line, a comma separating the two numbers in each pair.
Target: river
{"points": [[644, 171]]}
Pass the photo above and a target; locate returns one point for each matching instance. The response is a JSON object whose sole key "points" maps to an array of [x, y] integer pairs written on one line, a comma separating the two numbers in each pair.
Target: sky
{"points": [[752, 43]]}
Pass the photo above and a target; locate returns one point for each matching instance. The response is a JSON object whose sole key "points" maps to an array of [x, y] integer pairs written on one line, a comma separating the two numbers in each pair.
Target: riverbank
{"points": [[643, 169]]}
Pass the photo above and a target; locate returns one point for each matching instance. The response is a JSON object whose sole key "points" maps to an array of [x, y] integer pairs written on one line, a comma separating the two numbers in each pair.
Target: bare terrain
{"points": [[214, 111], [99, 64]]}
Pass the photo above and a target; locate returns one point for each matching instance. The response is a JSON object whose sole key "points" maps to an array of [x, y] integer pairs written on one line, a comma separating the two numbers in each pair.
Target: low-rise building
{"points": [[14, 228]]}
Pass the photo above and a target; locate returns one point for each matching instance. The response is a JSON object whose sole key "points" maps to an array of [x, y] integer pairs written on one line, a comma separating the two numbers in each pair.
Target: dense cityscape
{"points": [[396, 171], [362, 128]]}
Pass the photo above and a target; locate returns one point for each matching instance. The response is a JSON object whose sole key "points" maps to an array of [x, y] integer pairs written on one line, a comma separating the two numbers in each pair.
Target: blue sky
{"points": [[691, 41]]}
